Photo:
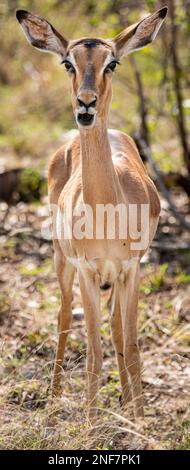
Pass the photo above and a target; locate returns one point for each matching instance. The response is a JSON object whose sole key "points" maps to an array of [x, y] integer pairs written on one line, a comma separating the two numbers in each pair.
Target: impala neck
{"points": [[98, 174]]}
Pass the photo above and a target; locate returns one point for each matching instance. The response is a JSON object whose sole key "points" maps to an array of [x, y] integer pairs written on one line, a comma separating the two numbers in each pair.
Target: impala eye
{"points": [[69, 67], [111, 67]]}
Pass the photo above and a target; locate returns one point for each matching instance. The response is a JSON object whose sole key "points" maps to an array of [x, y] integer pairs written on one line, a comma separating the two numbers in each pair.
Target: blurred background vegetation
{"points": [[151, 102]]}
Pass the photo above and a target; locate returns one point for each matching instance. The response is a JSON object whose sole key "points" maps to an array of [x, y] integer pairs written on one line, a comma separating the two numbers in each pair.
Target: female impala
{"points": [[98, 167]]}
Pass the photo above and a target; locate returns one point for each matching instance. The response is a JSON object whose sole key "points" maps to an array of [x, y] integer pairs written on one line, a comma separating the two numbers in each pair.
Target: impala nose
{"points": [[88, 104], [86, 115]]}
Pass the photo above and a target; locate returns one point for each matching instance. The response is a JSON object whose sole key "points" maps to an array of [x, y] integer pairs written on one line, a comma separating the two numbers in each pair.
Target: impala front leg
{"points": [[117, 335], [129, 301], [65, 274], [90, 293]]}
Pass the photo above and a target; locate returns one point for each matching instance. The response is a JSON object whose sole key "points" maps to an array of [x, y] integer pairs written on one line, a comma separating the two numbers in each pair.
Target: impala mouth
{"points": [[85, 119]]}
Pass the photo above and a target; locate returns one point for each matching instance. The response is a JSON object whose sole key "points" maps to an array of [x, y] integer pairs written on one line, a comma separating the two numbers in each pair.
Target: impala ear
{"points": [[41, 34], [140, 34]]}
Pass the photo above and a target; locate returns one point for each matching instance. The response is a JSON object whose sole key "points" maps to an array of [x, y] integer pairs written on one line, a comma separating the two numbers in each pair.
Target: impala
{"points": [[99, 167]]}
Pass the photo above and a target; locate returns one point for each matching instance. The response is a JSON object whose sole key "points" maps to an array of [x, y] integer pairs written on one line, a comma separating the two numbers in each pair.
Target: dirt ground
{"points": [[29, 300]]}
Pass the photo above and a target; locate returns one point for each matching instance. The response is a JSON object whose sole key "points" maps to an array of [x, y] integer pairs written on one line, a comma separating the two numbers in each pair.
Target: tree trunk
{"points": [[177, 87]]}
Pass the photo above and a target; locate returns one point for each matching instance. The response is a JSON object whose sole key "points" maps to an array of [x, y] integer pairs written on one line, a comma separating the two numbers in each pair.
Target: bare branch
{"points": [[159, 178], [142, 100]]}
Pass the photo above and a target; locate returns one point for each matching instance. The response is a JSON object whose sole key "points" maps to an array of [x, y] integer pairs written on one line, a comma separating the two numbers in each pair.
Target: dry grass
{"points": [[29, 300]]}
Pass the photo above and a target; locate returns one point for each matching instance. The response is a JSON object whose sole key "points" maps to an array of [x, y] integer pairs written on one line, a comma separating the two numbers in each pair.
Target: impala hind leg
{"points": [[129, 290], [90, 293], [65, 273], [117, 335]]}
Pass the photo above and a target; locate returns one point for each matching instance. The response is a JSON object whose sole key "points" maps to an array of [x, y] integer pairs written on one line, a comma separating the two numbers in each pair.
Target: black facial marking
{"points": [[90, 43], [89, 78]]}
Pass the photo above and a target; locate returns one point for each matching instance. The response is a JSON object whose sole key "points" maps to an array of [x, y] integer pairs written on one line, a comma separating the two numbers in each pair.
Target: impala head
{"points": [[90, 63]]}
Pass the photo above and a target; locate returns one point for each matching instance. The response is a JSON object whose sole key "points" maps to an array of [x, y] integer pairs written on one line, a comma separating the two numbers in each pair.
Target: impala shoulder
{"points": [[57, 161], [154, 198], [62, 164], [122, 142], [127, 140], [64, 158], [131, 150]]}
